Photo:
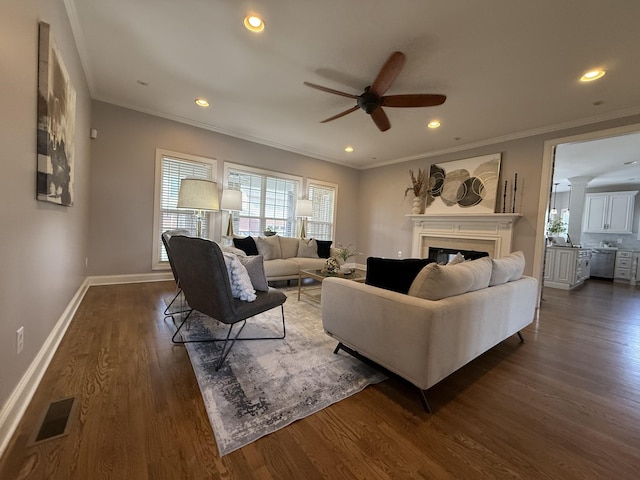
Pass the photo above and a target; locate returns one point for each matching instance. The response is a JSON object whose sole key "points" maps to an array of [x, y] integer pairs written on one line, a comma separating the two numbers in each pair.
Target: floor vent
{"points": [[55, 421]]}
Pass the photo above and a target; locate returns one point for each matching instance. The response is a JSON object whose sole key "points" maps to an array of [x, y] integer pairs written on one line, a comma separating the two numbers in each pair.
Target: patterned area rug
{"points": [[266, 385]]}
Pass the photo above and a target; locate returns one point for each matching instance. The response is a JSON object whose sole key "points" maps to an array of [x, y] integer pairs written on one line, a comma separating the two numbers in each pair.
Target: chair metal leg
{"points": [[521, 338], [213, 339], [225, 350], [184, 320], [168, 312], [280, 337]]}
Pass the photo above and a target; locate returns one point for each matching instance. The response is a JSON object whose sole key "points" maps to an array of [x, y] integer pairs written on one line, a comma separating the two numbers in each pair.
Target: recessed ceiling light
{"points": [[253, 23], [433, 124], [632, 162], [202, 102], [592, 75], [348, 149]]}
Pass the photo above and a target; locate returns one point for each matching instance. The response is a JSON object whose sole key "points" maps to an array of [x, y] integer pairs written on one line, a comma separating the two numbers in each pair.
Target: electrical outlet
{"points": [[619, 241], [19, 339], [399, 253]]}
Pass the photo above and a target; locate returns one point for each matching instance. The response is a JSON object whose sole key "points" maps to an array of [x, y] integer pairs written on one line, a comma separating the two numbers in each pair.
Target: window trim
{"points": [[313, 181], [156, 264], [264, 172]]}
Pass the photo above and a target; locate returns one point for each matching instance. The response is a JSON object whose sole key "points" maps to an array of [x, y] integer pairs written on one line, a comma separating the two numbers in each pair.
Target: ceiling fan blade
{"points": [[330, 90], [388, 73], [415, 100], [380, 119], [342, 114]]}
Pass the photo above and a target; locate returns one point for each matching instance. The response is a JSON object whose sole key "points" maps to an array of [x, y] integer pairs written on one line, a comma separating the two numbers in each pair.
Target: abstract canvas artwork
{"points": [[56, 124], [464, 186]]}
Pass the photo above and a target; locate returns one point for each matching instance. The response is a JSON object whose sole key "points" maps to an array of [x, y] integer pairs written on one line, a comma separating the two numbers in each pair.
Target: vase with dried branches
{"points": [[419, 189]]}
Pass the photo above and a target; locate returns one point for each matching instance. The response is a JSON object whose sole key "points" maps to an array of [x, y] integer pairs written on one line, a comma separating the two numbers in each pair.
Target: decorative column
{"points": [[576, 206]]}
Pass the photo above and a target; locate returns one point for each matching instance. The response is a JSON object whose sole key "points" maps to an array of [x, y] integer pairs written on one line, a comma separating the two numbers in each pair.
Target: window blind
{"points": [[173, 170], [323, 197]]}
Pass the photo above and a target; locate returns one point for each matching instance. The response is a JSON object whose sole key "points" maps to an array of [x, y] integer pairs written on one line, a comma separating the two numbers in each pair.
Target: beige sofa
{"points": [[282, 260], [426, 340]]}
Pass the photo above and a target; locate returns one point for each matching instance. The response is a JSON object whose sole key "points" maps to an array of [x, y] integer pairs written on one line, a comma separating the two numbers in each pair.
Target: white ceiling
{"points": [[508, 68], [609, 161]]}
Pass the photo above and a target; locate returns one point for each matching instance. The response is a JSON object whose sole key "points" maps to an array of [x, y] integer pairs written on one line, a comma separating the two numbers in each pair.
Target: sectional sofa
{"points": [[284, 257], [449, 316]]}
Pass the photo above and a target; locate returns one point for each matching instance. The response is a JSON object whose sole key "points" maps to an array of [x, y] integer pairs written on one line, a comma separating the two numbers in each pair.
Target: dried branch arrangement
{"points": [[418, 183]]}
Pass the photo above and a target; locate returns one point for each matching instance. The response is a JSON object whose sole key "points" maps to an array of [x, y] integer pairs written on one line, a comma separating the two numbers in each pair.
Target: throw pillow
{"points": [[308, 248], [324, 248], [255, 269], [234, 250], [288, 246], [241, 286], [247, 245], [459, 258], [435, 282], [269, 247], [507, 269], [394, 274]]}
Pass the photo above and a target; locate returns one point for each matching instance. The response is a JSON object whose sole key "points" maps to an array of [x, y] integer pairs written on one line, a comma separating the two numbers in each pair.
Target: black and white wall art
{"points": [[464, 186], [56, 124]]}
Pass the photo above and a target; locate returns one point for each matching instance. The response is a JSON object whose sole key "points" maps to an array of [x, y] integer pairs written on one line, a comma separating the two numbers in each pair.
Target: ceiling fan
{"points": [[372, 99]]}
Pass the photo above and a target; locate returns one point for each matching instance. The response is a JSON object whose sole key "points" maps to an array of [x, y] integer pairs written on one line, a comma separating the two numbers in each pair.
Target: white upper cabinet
{"points": [[608, 212]]}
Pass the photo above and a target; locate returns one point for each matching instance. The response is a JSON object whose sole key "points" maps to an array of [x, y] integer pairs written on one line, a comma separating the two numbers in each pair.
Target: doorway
{"points": [[546, 182]]}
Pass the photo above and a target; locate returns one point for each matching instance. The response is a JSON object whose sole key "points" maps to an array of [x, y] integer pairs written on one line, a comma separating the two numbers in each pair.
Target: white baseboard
{"points": [[14, 409], [21, 396], [135, 278]]}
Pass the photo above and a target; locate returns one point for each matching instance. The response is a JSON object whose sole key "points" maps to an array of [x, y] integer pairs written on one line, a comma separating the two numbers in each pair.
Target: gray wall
{"points": [[122, 181], [43, 245], [383, 207], [384, 228]]}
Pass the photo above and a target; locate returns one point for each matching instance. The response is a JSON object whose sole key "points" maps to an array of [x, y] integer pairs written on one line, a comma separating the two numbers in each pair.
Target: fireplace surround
{"points": [[488, 232]]}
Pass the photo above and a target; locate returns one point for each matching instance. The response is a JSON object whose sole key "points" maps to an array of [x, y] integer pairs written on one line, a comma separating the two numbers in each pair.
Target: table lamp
{"points": [[231, 200], [304, 209], [199, 195]]}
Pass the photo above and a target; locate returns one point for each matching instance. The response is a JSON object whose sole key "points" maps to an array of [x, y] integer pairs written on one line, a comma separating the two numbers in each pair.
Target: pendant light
{"points": [[554, 210], [569, 203]]}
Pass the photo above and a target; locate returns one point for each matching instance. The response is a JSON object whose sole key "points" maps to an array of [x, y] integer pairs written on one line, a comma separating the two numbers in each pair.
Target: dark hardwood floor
{"points": [[563, 405]]}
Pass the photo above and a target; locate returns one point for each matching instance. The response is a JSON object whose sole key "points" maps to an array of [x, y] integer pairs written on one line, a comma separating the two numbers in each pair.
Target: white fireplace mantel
{"points": [[492, 232]]}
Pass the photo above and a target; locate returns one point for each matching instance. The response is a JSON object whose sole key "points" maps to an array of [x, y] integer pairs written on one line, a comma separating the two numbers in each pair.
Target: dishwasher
{"points": [[603, 263]]}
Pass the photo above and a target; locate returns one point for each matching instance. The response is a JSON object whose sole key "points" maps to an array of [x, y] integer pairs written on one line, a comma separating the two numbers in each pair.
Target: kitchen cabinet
{"points": [[622, 271], [609, 212], [565, 267]]}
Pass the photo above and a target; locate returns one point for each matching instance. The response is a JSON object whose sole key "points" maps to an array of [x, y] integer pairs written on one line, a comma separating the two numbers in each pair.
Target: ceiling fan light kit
{"points": [[372, 99]]}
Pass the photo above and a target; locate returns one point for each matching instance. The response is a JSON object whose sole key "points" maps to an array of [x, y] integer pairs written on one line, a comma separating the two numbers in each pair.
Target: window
{"points": [[323, 198], [171, 168], [268, 200]]}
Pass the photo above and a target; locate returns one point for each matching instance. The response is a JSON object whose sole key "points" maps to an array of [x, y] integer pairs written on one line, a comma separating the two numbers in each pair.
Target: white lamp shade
{"points": [[231, 200], [198, 194], [304, 208]]}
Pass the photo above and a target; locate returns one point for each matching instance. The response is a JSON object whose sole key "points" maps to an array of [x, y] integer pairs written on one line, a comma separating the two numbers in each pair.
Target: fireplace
{"points": [[490, 232], [445, 255]]}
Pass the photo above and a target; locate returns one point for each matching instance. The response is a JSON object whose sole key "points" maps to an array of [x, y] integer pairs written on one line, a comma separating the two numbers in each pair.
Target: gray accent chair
{"points": [[166, 236], [204, 280]]}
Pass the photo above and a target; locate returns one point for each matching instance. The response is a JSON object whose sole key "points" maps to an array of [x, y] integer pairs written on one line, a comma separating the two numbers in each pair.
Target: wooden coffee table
{"points": [[358, 275]]}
